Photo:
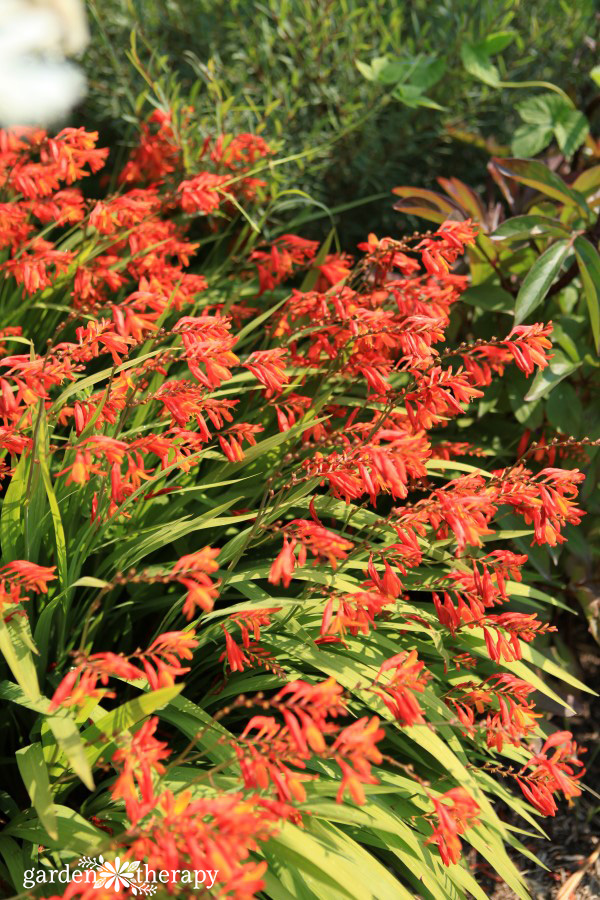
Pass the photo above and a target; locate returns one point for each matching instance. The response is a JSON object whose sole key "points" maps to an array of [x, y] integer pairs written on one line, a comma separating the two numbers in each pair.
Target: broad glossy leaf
{"points": [[428, 204], [588, 182], [381, 68], [588, 260], [540, 279], [465, 197], [412, 96], [571, 131], [529, 140], [543, 109], [565, 410], [523, 227], [497, 41], [489, 297], [548, 378]]}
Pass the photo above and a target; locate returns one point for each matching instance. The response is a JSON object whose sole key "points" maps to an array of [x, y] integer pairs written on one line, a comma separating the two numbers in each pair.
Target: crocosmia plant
{"points": [[259, 617]]}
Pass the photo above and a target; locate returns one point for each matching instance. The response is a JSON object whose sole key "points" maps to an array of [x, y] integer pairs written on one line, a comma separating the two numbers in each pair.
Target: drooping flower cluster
{"points": [[271, 752], [455, 812], [19, 578], [547, 774], [158, 666]]}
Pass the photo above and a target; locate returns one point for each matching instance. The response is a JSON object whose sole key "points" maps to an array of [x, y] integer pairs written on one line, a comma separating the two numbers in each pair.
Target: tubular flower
{"points": [[301, 537], [552, 772], [138, 758], [193, 572], [284, 564], [203, 193], [441, 250], [287, 253], [268, 367], [398, 692], [19, 577], [140, 387], [519, 626], [215, 834], [232, 439], [31, 267], [510, 718], [159, 666], [386, 254], [252, 653], [157, 153], [355, 613], [528, 345], [456, 811], [544, 500], [207, 342], [272, 753], [239, 151]]}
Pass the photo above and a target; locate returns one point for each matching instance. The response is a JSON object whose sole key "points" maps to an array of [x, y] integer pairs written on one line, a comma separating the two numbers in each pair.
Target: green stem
{"points": [[540, 84]]}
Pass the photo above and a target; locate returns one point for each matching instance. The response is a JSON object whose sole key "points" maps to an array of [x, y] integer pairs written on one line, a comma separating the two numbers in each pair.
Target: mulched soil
{"points": [[573, 833]]}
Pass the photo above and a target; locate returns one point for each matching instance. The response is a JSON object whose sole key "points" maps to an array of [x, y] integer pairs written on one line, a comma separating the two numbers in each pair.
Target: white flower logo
{"points": [[116, 875]]}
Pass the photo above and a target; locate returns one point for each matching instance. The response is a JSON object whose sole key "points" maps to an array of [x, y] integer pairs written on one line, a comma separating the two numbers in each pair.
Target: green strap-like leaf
{"points": [[123, 718], [63, 727], [34, 773], [59, 533], [11, 526], [73, 831], [15, 647]]}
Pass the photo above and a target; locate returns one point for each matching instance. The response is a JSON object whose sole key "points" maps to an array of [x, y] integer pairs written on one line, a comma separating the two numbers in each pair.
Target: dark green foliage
{"points": [[290, 69]]}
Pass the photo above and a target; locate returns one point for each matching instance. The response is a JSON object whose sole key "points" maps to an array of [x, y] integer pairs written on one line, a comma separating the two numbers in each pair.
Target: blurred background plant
{"points": [[37, 84], [362, 94]]}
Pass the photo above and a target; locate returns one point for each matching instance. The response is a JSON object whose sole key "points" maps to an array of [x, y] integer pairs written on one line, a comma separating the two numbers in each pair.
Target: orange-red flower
{"points": [[456, 811], [193, 571]]}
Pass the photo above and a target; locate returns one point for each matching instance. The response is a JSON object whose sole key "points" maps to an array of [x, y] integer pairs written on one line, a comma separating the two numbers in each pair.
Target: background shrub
{"points": [[288, 70]]}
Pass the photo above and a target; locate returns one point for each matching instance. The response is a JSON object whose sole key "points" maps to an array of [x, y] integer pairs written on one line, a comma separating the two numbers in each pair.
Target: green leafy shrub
{"points": [[295, 71], [211, 478]]}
